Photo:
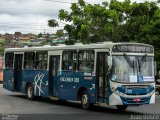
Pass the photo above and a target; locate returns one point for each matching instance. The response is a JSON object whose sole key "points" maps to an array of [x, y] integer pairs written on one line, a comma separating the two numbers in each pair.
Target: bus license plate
{"points": [[136, 99]]}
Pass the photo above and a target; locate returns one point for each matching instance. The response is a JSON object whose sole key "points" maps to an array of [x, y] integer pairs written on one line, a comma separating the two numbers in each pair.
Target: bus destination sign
{"points": [[133, 48]]}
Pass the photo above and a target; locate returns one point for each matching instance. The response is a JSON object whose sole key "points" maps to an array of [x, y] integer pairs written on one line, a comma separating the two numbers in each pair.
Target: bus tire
{"points": [[85, 100], [30, 92], [122, 107]]}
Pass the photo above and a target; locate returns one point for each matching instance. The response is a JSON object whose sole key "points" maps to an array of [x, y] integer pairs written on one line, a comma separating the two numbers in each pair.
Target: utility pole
{"points": [[44, 35], [5, 30], [44, 31]]}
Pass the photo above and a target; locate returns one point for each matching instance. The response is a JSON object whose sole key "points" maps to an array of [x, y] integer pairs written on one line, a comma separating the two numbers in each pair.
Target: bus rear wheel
{"points": [[85, 101], [121, 107], [30, 92]]}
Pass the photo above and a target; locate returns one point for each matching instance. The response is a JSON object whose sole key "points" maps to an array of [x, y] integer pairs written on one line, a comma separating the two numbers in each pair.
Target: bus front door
{"points": [[18, 72], [53, 75], [102, 78]]}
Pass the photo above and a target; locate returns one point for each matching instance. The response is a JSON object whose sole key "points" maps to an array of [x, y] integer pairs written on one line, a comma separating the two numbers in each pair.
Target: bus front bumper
{"points": [[115, 99]]}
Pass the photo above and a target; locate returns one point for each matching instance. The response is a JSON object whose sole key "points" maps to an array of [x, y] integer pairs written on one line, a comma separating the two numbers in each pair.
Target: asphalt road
{"points": [[16, 104]]}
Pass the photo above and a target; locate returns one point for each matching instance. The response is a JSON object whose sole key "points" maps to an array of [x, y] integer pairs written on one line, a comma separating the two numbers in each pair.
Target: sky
{"points": [[31, 16]]}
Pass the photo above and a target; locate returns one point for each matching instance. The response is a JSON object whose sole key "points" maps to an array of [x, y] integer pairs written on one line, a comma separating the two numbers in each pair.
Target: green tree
{"points": [[90, 23], [53, 23], [39, 35], [117, 21], [2, 46]]}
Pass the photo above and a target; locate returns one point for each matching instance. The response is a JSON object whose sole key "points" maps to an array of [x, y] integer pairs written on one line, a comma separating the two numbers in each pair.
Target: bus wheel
{"points": [[85, 101], [30, 92], [121, 107]]}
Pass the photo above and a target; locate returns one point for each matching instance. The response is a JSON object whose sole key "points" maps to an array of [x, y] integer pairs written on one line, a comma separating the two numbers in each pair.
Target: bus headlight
{"points": [[118, 92], [151, 93]]}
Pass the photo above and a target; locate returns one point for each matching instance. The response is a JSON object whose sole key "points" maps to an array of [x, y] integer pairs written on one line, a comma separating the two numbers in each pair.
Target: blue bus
{"points": [[117, 74]]}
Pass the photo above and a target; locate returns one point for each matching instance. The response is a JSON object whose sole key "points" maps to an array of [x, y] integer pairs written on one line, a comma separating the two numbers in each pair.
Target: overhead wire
{"points": [[25, 26]]}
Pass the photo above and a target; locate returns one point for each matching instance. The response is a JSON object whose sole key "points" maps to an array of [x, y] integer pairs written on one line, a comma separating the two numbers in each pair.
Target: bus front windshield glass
{"points": [[132, 69]]}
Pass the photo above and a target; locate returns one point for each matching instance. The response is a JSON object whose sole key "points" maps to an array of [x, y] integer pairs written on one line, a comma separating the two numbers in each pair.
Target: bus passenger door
{"points": [[18, 72], [102, 77], [53, 75]]}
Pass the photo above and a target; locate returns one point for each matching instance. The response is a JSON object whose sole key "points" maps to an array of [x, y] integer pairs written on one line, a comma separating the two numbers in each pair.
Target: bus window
{"points": [[41, 60], [29, 60], [9, 60], [69, 60], [86, 60]]}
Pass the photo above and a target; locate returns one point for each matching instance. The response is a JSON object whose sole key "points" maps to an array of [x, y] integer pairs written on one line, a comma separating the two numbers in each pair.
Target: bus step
{"points": [[54, 98], [101, 104]]}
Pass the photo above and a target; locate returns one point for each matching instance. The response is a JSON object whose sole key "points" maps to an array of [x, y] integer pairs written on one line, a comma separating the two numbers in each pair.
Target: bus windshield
{"points": [[132, 69]]}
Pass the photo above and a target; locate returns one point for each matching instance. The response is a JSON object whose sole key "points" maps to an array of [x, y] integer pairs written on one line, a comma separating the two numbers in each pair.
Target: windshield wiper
{"points": [[143, 60], [139, 66], [140, 63], [131, 63], [133, 66]]}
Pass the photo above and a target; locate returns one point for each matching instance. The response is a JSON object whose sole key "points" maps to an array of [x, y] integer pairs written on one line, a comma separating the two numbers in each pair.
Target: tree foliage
{"points": [[2, 44], [115, 21], [40, 35], [52, 23]]}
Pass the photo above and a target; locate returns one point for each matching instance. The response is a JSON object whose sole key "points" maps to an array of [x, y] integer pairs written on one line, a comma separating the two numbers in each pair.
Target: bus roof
{"points": [[100, 45]]}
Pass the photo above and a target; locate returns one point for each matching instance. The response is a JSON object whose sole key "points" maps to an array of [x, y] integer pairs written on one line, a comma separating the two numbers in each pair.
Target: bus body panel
{"points": [[152, 100], [18, 81], [8, 79], [71, 82], [39, 80], [54, 90]]}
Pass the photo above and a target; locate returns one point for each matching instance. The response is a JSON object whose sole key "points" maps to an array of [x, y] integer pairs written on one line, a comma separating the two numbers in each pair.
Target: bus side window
{"points": [[29, 60], [86, 60], [9, 60], [41, 60], [69, 61]]}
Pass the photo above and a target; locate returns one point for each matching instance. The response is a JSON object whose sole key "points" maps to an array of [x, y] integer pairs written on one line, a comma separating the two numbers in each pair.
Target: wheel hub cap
{"points": [[84, 99], [30, 92]]}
